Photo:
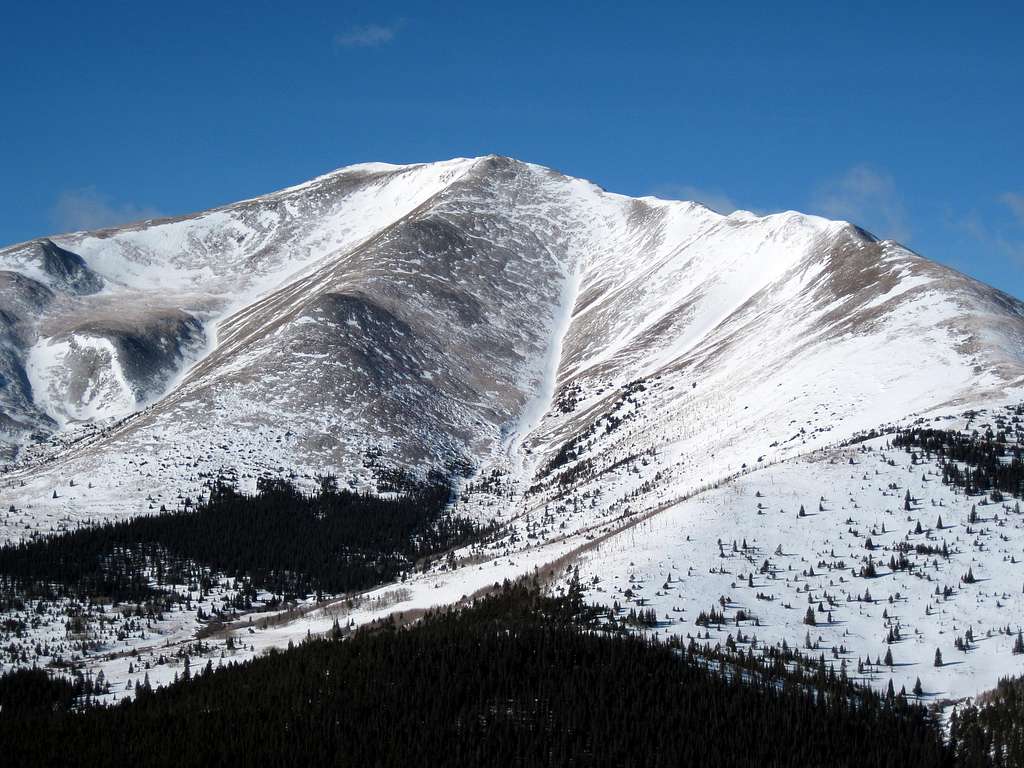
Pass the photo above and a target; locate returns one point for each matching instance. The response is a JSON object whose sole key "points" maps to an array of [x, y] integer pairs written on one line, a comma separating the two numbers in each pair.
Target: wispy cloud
{"points": [[989, 238], [716, 201], [366, 36], [867, 197], [87, 208], [1015, 203]]}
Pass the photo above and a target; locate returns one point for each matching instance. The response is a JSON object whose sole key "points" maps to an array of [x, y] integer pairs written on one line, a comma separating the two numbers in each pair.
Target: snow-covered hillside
{"points": [[747, 542], [575, 359]]}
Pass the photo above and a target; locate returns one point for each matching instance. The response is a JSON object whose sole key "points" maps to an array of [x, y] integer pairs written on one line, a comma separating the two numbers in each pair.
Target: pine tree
{"points": [[938, 658], [888, 657]]}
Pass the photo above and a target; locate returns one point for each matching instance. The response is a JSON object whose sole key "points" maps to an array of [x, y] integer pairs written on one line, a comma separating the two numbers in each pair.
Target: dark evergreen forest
{"points": [[520, 679], [992, 465], [280, 540]]}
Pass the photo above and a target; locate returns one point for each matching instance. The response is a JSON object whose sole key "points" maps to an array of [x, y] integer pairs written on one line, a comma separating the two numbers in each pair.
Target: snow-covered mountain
{"points": [[578, 358], [465, 314]]}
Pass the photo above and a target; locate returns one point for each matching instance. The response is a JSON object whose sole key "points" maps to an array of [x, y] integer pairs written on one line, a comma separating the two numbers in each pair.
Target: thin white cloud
{"points": [[87, 208], [867, 197], [1015, 203], [716, 201], [366, 36], [989, 238]]}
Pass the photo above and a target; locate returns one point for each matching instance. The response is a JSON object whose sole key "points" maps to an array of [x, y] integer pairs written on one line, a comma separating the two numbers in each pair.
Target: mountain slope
{"points": [[470, 315], [812, 332]]}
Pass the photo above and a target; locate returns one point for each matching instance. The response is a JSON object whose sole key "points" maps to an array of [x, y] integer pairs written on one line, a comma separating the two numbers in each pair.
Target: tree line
{"points": [[992, 464], [279, 539]]}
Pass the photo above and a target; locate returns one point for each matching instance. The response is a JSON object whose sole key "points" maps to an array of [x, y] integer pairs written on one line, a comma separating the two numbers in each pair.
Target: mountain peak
{"points": [[441, 310]]}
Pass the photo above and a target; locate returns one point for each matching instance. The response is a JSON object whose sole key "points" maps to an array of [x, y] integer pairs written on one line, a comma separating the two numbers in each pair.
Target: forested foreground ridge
{"points": [[519, 679]]}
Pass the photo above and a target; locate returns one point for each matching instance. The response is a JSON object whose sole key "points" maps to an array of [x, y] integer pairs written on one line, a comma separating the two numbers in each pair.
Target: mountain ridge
{"points": [[349, 278]]}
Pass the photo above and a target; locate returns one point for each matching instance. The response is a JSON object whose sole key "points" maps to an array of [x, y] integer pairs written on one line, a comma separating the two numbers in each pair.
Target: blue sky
{"points": [[907, 121]]}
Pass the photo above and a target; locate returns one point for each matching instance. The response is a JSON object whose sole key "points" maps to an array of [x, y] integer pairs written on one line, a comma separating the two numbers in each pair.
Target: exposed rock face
{"points": [[22, 301]]}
